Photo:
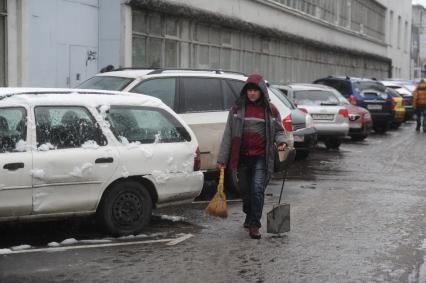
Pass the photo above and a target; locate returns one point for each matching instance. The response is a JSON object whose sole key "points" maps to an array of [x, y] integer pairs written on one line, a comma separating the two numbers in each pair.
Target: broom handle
{"points": [[221, 178], [282, 186]]}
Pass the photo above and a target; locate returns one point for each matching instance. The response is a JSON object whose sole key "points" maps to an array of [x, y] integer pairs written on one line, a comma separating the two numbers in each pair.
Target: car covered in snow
{"points": [[80, 152]]}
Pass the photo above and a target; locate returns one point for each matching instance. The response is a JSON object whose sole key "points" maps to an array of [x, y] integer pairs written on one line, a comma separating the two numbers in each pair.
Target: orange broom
{"points": [[218, 206]]}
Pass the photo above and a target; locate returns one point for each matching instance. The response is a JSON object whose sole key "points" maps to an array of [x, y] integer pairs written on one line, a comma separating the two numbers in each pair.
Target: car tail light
{"points": [[197, 160], [303, 110], [352, 100], [288, 123], [344, 113]]}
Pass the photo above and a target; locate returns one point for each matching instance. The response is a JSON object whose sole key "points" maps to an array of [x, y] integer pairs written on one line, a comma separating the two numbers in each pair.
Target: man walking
{"points": [[248, 145], [419, 104]]}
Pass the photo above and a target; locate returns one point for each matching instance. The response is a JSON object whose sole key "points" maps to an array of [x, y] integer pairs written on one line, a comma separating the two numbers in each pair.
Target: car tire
{"points": [[126, 208], [302, 154], [396, 125], [231, 183], [333, 143], [381, 129], [359, 138]]}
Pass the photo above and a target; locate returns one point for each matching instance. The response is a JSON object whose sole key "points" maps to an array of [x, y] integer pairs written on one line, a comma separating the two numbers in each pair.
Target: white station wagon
{"points": [[79, 152]]}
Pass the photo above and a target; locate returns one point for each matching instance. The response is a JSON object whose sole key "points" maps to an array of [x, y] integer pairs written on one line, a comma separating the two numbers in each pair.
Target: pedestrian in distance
{"points": [[252, 134], [419, 104]]}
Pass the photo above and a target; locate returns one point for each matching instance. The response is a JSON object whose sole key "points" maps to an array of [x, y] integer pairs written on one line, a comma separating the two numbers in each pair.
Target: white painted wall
{"points": [[109, 33], [399, 52], [60, 33]]}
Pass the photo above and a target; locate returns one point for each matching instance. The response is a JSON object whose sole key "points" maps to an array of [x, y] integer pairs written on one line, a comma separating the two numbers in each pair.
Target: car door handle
{"points": [[104, 160], [13, 166]]}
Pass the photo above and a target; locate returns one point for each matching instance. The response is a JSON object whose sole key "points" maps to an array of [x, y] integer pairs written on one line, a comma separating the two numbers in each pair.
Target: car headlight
{"points": [[367, 116]]}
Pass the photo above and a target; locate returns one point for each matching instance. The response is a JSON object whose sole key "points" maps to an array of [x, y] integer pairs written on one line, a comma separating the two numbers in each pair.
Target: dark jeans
{"points": [[251, 178], [421, 111]]}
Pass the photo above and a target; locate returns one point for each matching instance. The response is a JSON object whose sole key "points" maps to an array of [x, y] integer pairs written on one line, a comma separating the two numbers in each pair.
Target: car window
{"points": [[230, 96], [392, 92], [282, 97], [105, 83], [201, 94], [342, 86], [315, 97], [13, 129], [236, 86], [145, 125], [162, 88], [362, 86], [59, 127]]}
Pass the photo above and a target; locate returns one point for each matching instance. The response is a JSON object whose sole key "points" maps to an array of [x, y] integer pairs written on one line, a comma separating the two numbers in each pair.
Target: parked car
{"points": [[399, 108], [67, 152], [322, 103], [366, 93], [202, 98], [304, 132], [404, 89]]}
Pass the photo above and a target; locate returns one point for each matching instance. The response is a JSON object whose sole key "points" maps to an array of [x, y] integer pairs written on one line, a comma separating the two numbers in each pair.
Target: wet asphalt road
{"points": [[357, 215]]}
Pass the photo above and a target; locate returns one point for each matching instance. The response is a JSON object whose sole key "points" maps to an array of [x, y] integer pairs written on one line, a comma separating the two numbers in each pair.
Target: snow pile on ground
{"points": [[70, 241], [46, 147], [84, 170], [141, 236], [90, 145], [172, 218], [53, 244], [5, 251], [20, 248], [38, 173]]}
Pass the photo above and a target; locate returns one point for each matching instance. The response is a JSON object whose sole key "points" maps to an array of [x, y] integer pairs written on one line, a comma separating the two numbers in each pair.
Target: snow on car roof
{"points": [[58, 96], [137, 73]]}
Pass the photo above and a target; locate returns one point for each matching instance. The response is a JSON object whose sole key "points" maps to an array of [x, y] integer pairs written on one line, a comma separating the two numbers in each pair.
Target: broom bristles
{"points": [[218, 206]]}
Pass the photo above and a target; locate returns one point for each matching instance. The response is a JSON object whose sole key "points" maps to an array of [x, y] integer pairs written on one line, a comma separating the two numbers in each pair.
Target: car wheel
{"points": [[333, 143], [396, 125], [302, 154], [231, 182], [126, 208], [359, 138], [381, 129]]}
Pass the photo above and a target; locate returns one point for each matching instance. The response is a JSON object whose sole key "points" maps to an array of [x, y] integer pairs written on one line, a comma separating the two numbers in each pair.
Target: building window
{"points": [[390, 28]]}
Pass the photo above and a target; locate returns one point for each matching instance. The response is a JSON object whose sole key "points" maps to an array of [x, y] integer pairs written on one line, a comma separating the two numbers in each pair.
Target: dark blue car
{"points": [[367, 93]]}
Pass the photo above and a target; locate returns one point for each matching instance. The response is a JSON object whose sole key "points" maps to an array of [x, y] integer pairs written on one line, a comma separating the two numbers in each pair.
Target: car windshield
{"points": [[105, 83], [315, 97], [283, 98]]}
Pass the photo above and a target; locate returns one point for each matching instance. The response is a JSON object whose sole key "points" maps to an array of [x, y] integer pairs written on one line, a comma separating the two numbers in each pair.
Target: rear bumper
{"points": [[305, 138], [382, 117], [332, 129], [360, 129]]}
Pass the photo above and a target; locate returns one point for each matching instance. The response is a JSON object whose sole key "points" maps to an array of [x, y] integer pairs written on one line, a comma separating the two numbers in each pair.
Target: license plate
{"points": [[355, 125], [374, 107], [299, 138], [323, 116]]}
